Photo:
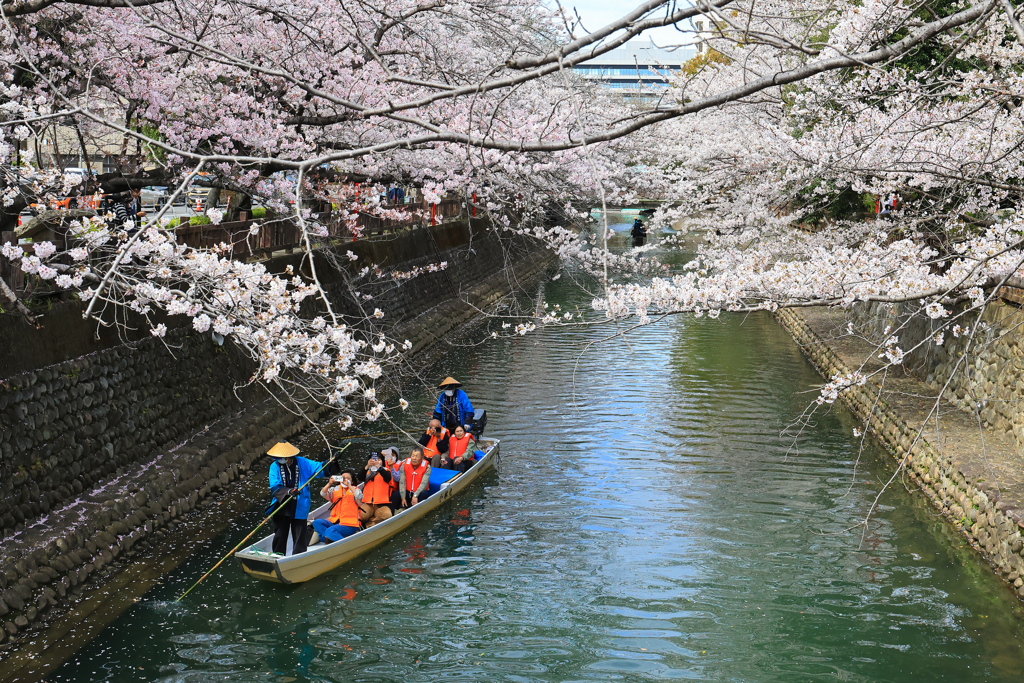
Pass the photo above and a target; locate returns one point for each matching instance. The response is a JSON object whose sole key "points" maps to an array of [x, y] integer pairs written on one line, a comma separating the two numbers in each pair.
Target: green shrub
{"points": [[259, 212], [195, 220]]}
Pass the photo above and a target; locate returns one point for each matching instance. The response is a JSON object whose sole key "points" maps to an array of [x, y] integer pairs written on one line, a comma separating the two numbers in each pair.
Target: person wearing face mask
{"points": [[394, 466], [288, 473], [345, 498], [453, 407]]}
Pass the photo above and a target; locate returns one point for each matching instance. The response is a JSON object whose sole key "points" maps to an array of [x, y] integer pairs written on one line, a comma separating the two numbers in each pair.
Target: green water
{"points": [[648, 522]]}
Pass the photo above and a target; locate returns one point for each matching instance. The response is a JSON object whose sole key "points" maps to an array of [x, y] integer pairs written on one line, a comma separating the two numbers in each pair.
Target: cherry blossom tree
{"points": [[804, 106]]}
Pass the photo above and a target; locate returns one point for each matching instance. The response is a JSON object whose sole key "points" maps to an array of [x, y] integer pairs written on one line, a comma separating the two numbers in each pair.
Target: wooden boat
{"points": [[258, 560]]}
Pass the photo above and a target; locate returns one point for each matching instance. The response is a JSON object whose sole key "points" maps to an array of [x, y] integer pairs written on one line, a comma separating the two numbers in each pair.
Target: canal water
{"points": [[650, 520]]}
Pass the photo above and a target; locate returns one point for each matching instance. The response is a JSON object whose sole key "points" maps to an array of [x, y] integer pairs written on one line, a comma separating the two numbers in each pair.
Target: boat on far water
{"points": [[258, 560]]}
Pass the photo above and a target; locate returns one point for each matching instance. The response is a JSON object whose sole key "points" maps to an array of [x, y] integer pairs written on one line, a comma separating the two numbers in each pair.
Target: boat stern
{"points": [[260, 566]]}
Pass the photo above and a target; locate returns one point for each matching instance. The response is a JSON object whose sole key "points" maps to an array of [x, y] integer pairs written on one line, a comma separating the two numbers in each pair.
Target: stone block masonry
{"points": [[991, 385], [105, 447], [66, 428], [973, 476]]}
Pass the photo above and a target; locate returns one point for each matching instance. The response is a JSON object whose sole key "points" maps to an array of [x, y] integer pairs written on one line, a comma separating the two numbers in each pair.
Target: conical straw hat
{"points": [[449, 382], [283, 450]]}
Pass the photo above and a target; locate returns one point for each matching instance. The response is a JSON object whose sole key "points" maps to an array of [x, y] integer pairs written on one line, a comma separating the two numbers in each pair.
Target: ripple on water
{"points": [[650, 520]]}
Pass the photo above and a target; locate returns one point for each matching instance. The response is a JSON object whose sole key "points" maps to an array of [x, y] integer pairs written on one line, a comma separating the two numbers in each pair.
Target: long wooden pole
{"points": [[366, 436], [266, 519]]}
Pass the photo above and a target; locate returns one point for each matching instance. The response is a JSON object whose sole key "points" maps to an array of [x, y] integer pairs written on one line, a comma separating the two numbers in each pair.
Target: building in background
{"points": [[704, 28], [95, 147], [637, 66]]}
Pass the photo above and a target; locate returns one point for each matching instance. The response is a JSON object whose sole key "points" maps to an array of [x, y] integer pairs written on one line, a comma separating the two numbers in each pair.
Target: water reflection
{"points": [[650, 521]]}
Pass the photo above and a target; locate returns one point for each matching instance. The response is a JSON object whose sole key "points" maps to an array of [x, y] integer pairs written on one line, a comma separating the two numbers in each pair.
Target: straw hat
{"points": [[283, 450], [449, 382]]}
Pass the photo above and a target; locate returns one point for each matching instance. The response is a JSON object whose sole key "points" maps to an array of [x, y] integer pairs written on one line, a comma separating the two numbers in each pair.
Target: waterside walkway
{"points": [[971, 473]]}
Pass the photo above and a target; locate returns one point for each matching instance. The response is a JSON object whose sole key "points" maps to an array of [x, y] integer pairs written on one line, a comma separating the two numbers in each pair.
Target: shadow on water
{"points": [[651, 520]]}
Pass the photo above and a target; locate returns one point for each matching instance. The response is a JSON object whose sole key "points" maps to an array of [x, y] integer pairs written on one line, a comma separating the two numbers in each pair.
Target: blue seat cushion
{"points": [[439, 476]]}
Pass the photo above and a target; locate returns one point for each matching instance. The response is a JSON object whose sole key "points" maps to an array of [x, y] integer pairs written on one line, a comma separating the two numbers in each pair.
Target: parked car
{"points": [[154, 195], [79, 172]]}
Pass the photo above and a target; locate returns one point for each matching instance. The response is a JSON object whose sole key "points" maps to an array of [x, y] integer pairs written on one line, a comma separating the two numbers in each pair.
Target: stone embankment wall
{"points": [[105, 446], [989, 384], [65, 428], [990, 518]]}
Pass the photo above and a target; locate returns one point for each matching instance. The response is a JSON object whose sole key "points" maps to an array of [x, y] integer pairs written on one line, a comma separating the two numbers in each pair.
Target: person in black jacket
{"points": [[435, 442], [126, 207], [639, 233], [376, 503]]}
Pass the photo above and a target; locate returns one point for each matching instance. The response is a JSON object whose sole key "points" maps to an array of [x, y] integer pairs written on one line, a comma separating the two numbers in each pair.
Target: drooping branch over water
{"points": [[774, 144]]}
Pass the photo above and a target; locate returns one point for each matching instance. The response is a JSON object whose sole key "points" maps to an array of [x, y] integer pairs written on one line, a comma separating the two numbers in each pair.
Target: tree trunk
{"points": [[239, 202], [9, 214], [212, 199]]}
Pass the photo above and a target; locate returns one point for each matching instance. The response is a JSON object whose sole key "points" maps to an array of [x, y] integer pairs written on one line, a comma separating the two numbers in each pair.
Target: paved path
{"points": [[986, 458]]}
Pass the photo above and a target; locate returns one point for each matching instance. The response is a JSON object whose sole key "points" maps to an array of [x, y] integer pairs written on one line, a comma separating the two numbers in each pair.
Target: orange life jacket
{"points": [[458, 447], [430, 450], [376, 491], [396, 473], [413, 476], [345, 511]]}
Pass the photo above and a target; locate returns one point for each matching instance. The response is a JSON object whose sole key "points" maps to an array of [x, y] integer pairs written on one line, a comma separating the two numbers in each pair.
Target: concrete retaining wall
{"points": [[101, 453], [993, 526], [991, 384]]}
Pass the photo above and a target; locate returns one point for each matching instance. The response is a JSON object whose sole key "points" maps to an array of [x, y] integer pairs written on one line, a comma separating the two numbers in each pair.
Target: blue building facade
{"points": [[636, 66]]}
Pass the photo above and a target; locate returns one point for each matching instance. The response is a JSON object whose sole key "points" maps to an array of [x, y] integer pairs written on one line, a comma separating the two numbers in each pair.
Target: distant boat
{"points": [[258, 560]]}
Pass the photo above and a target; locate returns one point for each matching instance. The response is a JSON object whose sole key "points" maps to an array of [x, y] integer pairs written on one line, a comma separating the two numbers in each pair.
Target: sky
{"points": [[597, 13]]}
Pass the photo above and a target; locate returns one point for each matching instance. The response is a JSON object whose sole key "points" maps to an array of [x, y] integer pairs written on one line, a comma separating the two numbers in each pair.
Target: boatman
{"points": [[287, 474], [639, 233], [453, 407]]}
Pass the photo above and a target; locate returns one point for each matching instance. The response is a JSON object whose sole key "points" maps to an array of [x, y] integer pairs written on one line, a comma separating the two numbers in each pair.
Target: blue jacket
{"points": [[306, 469], [459, 402]]}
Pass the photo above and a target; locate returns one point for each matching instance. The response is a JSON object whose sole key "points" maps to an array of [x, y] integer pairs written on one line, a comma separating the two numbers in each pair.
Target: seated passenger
{"points": [[376, 492], [394, 466], [456, 457], [435, 442], [415, 478], [460, 450], [344, 518]]}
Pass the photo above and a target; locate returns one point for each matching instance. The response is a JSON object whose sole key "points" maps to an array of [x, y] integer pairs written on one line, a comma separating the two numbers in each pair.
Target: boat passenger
{"points": [[344, 519], [460, 450], [415, 478], [435, 442], [287, 474], [394, 466], [453, 406], [376, 492]]}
